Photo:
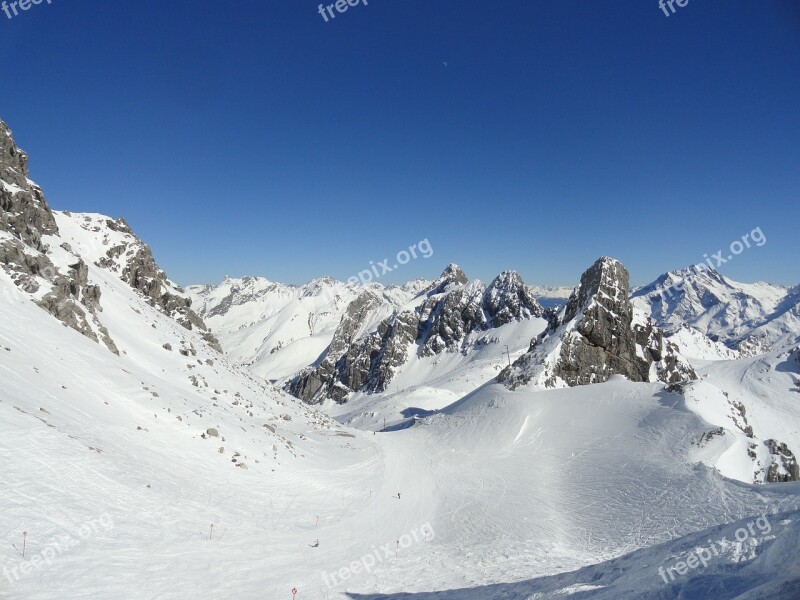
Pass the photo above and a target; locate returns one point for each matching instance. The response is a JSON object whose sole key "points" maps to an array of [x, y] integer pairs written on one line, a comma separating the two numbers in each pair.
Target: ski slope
{"points": [[525, 494], [510, 485]]}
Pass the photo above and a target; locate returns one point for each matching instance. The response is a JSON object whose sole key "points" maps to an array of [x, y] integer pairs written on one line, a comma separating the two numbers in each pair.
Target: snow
{"points": [[520, 489], [723, 309], [430, 383], [278, 330], [10, 187], [694, 344], [531, 493]]}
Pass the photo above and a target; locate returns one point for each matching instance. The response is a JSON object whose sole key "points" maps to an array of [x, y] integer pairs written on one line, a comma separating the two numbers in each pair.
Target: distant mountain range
{"points": [[745, 317]]}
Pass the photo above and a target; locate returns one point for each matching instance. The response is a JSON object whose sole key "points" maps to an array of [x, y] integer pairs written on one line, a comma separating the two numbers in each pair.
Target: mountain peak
{"points": [[596, 338], [725, 310], [10, 154], [508, 299], [606, 281], [507, 279], [454, 273]]}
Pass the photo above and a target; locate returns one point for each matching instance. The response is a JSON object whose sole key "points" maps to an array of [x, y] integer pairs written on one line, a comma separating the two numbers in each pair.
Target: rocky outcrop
{"points": [[353, 321], [508, 299], [24, 212], [446, 312], [134, 263], [63, 289], [784, 465], [26, 217], [310, 384], [596, 336], [451, 276]]}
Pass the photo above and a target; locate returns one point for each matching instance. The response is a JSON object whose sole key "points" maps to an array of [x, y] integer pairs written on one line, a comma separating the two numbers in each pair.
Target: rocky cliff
{"points": [[55, 273], [442, 317], [597, 335]]}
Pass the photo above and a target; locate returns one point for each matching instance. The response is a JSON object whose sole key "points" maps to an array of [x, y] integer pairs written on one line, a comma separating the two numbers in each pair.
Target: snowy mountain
{"points": [[597, 335], [278, 330], [140, 462], [441, 319], [746, 317], [114, 312]]}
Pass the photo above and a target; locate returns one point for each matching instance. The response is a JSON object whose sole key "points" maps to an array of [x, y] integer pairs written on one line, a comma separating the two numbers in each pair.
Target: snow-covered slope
{"points": [[445, 319], [122, 425], [568, 476], [714, 563], [697, 346], [762, 394], [279, 329], [499, 489], [749, 317]]}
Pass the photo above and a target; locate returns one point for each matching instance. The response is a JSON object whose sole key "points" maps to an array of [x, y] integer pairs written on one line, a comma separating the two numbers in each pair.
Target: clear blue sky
{"points": [[251, 137]]}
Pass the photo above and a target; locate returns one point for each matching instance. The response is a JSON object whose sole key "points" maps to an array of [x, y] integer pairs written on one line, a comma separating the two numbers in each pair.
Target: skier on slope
{"points": [[315, 544]]}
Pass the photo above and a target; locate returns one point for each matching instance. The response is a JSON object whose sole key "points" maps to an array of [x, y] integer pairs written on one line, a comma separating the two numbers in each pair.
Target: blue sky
{"points": [[252, 137]]}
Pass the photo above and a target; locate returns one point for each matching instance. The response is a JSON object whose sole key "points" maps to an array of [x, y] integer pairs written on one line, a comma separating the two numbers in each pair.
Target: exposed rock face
{"points": [[784, 465], [596, 336], [136, 266], [450, 309], [453, 274], [509, 299], [309, 384], [63, 289], [352, 322], [24, 212], [26, 217], [443, 322]]}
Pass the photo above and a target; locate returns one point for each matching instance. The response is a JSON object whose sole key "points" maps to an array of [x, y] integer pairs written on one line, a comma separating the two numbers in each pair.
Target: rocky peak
{"points": [[63, 291], [596, 337], [508, 299], [606, 282], [61, 284], [11, 156], [24, 212], [445, 320], [448, 312], [450, 277], [454, 273]]}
